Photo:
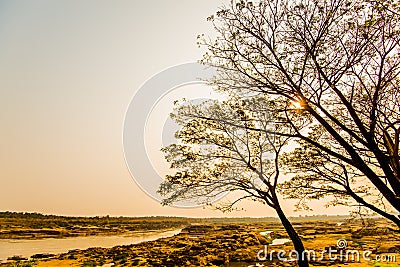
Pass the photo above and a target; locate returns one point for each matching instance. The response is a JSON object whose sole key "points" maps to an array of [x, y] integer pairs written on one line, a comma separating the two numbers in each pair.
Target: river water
{"points": [[27, 248]]}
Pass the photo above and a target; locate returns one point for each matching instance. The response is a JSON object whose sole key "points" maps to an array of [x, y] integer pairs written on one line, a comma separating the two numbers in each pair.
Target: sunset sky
{"points": [[68, 71]]}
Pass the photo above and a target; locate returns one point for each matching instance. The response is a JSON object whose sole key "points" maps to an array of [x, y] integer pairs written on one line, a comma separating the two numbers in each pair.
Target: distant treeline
{"points": [[35, 215]]}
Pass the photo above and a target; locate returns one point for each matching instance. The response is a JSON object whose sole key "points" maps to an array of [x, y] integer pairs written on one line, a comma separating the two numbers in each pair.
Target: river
{"points": [[27, 248]]}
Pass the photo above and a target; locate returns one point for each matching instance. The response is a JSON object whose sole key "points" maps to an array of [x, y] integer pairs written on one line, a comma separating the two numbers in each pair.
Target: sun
{"points": [[297, 104]]}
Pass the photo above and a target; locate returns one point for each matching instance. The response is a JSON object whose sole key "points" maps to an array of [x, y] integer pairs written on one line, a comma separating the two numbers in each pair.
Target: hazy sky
{"points": [[68, 70]]}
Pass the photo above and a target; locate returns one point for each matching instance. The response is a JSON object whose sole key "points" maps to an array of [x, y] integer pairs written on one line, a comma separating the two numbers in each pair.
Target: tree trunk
{"points": [[297, 243]]}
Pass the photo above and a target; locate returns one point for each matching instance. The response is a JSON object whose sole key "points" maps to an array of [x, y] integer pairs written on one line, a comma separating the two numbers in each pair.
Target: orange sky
{"points": [[68, 70]]}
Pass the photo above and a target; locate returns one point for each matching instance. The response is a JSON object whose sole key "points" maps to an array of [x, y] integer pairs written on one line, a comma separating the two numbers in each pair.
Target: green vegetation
{"points": [[379, 264], [89, 264], [23, 264]]}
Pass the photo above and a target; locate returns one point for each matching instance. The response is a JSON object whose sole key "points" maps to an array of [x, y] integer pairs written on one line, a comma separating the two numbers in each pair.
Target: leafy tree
{"points": [[226, 147], [337, 62]]}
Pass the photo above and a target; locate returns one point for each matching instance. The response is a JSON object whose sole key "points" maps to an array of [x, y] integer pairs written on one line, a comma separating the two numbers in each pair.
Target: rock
{"points": [[17, 258], [43, 256]]}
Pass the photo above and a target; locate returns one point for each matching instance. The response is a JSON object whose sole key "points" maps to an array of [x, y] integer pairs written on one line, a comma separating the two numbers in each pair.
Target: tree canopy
{"points": [[338, 62]]}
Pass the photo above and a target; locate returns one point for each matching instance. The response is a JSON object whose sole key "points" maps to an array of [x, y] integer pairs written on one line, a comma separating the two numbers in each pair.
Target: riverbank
{"points": [[38, 226], [49, 247]]}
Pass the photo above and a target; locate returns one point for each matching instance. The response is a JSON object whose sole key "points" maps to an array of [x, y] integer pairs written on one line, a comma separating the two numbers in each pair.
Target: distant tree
{"points": [[337, 62], [226, 147]]}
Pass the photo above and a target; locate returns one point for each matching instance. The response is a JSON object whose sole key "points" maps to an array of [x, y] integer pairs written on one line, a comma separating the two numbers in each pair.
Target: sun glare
{"points": [[297, 104]]}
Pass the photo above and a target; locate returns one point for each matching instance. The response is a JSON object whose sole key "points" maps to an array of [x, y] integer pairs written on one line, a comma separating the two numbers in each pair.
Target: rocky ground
{"points": [[237, 245]]}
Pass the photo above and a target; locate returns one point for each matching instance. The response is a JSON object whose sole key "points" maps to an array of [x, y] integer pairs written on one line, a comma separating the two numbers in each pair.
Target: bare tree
{"points": [[338, 62], [223, 149]]}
